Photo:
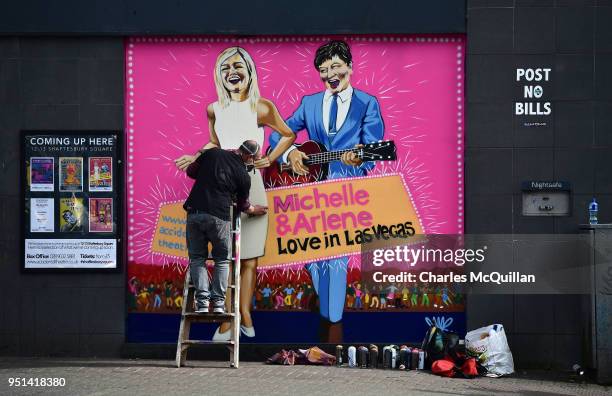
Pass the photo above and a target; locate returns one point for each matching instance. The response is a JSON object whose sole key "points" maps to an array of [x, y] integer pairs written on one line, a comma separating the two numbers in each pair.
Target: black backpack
{"points": [[439, 343]]}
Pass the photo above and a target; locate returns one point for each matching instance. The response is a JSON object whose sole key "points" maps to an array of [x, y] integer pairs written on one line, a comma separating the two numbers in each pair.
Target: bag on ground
{"points": [[444, 368], [439, 343], [451, 368], [489, 346]]}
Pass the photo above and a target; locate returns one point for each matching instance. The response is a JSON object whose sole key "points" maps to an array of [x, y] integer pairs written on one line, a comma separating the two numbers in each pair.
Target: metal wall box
{"points": [[546, 198]]}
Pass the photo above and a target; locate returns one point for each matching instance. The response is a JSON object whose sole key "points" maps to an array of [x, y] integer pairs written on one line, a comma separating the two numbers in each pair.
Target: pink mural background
{"points": [[418, 81]]}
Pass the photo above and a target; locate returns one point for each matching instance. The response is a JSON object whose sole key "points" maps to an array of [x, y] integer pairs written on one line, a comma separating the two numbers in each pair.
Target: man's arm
{"points": [[193, 168], [243, 185]]}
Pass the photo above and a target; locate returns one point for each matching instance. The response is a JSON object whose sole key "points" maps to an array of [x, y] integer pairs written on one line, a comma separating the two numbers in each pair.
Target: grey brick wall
{"points": [[573, 37], [66, 84]]}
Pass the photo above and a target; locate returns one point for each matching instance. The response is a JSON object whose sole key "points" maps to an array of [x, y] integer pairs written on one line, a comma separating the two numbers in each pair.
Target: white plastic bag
{"points": [[490, 346]]}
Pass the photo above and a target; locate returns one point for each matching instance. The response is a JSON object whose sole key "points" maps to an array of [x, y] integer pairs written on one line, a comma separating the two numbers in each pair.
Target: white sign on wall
{"points": [[70, 253], [533, 104]]}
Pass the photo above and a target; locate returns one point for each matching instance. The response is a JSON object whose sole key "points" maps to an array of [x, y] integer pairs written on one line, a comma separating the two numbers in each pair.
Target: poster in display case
{"points": [[72, 200]]}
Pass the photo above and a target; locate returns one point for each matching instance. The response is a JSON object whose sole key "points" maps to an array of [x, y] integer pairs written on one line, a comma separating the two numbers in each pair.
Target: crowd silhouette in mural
{"points": [[152, 293]]}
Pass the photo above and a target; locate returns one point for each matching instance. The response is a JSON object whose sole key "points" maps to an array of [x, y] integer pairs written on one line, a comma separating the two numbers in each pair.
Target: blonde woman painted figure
{"points": [[240, 114]]}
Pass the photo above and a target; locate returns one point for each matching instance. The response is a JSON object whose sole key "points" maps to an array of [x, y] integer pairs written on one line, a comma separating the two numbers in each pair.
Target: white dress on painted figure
{"points": [[234, 124]]}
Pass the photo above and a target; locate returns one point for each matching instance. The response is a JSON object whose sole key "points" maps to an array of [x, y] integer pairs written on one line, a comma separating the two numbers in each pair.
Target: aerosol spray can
{"points": [[403, 357], [421, 359], [339, 351], [408, 358], [386, 357], [414, 363], [352, 356], [362, 357], [390, 357], [373, 356], [394, 353]]}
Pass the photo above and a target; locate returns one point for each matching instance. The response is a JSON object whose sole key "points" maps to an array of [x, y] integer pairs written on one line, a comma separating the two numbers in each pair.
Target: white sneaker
{"points": [[218, 336], [248, 331], [201, 309]]}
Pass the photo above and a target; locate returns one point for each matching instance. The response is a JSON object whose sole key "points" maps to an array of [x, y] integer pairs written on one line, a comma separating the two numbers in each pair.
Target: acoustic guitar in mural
{"points": [[278, 175]]}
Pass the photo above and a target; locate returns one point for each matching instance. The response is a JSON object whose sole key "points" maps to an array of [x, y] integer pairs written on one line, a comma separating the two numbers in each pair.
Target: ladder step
{"points": [[209, 317], [210, 314], [206, 342]]}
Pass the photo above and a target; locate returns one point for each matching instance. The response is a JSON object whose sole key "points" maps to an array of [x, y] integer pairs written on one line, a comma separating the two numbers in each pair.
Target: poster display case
{"points": [[71, 186]]}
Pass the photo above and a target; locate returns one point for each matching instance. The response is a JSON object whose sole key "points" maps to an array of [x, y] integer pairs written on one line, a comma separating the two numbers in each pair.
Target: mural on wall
{"points": [[378, 150]]}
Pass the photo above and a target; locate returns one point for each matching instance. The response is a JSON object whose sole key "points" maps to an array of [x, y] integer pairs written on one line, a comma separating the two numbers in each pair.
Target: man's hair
{"points": [[249, 147], [337, 48]]}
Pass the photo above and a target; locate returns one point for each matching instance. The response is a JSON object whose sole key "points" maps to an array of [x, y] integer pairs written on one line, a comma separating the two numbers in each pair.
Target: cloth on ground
{"points": [[314, 355]]}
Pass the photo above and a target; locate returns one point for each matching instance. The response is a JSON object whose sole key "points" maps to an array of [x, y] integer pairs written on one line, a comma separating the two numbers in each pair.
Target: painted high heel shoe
{"points": [[247, 331], [218, 336]]}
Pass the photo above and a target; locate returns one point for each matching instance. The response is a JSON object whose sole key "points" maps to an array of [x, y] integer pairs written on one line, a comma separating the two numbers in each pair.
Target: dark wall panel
{"points": [[56, 83], [122, 17], [491, 30], [534, 30], [573, 38], [570, 37], [574, 29]]}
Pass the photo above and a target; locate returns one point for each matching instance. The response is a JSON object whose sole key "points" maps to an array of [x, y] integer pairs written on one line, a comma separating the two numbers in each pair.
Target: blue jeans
{"points": [[358, 303], [203, 228]]}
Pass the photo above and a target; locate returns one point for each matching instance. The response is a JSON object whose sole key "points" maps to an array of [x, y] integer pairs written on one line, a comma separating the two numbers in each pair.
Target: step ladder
{"points": [[188, 316]]}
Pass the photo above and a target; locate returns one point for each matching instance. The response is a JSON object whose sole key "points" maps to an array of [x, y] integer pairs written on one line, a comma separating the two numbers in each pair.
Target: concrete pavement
{"points": [[151, 377]]}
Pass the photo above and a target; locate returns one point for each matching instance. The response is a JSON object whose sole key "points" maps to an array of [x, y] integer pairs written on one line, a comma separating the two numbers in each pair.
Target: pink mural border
{"points": [[130, 109]]}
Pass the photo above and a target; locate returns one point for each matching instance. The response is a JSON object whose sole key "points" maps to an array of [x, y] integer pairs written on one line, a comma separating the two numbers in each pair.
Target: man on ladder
{"points": [[221, 178]]}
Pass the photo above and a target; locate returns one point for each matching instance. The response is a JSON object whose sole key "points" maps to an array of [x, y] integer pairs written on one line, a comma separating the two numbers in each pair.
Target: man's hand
{"points": [[296, 159], [350, 158], [256, 210], [184, 161], [263, 162]]}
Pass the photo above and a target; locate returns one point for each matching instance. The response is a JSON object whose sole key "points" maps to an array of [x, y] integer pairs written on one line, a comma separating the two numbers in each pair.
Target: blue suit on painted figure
{"points": [[340, 117]]}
